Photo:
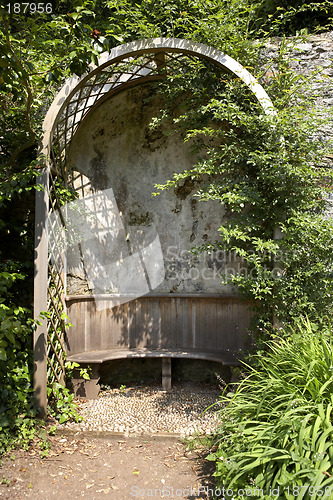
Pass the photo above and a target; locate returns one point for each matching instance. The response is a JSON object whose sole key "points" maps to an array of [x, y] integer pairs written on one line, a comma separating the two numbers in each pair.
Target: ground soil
{"points": [[93, 466]]}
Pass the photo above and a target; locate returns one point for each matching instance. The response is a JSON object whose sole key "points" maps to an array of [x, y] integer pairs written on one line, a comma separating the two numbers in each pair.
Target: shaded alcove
{"points": [[98, 141]]}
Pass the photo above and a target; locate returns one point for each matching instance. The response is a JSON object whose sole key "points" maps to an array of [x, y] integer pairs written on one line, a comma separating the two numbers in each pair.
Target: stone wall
{"points": [[311, 56]]}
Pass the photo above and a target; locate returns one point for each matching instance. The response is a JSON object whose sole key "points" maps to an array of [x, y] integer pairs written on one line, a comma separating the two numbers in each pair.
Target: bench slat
{"points": [[100, 356]]}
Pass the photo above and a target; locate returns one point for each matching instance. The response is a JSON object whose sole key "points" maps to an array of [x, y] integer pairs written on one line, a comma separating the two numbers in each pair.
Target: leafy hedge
{"points": [[17, 409]]}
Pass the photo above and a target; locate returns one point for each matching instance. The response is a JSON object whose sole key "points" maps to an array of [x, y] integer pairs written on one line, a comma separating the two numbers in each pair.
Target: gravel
{"points": [[186, 410]]}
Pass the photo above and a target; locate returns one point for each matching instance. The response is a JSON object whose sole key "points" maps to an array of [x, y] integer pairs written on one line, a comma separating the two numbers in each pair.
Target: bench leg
{"points": [[87, 388], [166, 374]]}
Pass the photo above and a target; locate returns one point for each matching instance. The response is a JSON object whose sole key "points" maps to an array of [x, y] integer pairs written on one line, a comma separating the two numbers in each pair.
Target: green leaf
{"points": [[3, 355], [63, 419], [6, 324]]}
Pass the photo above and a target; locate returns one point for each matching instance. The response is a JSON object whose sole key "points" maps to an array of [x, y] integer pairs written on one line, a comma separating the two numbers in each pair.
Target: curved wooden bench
{"points": [[209, 327], [90, 388]]}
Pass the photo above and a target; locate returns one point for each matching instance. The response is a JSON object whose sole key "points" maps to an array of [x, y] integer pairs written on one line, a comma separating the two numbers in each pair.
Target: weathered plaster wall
{"points": [[115, 148]]}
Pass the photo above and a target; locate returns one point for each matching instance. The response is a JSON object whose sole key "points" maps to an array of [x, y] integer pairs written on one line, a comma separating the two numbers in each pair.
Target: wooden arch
{"points": [[125, 66]]}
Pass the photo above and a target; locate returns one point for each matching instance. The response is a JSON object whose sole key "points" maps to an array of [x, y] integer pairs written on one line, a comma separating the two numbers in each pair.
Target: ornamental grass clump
{"points": [[276, 431]]}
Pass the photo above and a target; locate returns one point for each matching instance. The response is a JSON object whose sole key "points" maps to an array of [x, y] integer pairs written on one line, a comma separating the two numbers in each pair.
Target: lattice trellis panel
{"points": [[56, 288], [113, 78]]}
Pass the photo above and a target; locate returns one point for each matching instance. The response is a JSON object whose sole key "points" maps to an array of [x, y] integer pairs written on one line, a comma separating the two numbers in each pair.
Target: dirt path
{"points": [[93, 467]]}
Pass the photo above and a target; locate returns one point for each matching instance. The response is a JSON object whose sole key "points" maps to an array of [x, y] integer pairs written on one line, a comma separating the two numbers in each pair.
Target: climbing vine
{"points": [[269, 172]]}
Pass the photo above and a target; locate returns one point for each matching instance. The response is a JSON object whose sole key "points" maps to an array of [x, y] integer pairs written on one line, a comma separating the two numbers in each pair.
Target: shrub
{"points": [[276, 429], [17, 409]]}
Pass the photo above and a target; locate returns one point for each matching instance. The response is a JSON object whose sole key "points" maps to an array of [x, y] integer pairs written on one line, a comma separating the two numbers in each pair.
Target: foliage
{"points": [[83, 372], [276, 429], [38, 52], [269, 174], [61, 403], [18, 425], [16, 402], [280, 17], [221, 24]]}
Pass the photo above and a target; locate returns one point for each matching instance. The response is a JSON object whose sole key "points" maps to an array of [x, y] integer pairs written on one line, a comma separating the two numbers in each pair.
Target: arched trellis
{"points": [[130, 64]]}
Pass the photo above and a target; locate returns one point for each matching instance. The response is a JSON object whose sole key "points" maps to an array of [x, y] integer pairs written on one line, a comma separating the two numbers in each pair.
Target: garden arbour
{"points": [[126, 67]]}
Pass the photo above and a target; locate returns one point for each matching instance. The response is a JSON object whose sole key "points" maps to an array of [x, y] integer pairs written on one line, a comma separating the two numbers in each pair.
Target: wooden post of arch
{"points": [[40, 293]]}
